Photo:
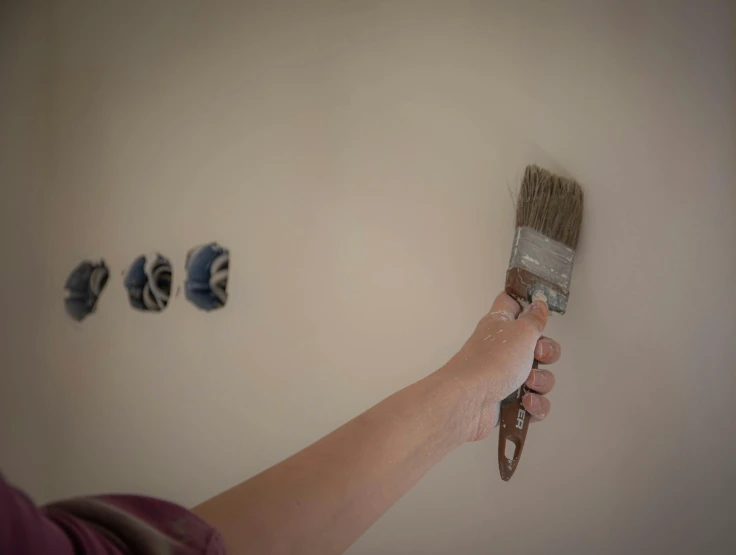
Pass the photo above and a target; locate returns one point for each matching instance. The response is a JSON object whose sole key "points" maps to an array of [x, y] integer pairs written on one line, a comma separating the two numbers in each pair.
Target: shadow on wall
{"points": [[149, 280]]}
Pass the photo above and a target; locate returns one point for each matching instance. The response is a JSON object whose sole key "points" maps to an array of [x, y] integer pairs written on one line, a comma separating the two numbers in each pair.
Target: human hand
{"points": [[497, 360]]}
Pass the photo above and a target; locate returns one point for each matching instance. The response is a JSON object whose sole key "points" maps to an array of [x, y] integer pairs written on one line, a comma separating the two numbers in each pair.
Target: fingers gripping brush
{"points": [[549, 212]]}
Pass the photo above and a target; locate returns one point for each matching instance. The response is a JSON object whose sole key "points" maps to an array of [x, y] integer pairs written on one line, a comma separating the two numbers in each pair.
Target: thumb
{"points": [[536, 315]]}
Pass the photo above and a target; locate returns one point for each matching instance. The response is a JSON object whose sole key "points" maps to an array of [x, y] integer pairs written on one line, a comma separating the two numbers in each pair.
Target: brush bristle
{"points": [[550, 204]]}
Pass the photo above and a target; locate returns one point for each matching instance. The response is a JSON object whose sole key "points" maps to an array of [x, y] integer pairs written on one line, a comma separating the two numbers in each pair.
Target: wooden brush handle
{"points": [[513, 425]]}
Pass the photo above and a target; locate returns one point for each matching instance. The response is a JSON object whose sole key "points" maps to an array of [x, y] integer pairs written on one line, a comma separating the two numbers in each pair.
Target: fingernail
{"points": [[545, 349], [538, 307], [531, 400]]}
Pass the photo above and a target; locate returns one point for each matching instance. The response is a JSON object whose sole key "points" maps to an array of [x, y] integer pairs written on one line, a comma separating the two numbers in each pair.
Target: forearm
{"points": [[324, 497]]}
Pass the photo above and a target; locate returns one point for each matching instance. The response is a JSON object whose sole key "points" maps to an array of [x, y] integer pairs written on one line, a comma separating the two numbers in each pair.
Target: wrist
{"points": [[464, 406]]}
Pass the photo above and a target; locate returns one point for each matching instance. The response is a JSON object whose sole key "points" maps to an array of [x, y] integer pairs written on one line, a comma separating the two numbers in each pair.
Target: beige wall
{"points": [[356, 158], [25, 416]]}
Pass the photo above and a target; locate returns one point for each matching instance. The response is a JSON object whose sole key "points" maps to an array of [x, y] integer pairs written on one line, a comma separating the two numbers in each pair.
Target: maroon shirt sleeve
{"points": [[107, 524]]}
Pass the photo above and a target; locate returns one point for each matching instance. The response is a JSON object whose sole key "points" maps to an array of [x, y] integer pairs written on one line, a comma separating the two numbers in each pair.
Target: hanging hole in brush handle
{"points": [[513, 426]]}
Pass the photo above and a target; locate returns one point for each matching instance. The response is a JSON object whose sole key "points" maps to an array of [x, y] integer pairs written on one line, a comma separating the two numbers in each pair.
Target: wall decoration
{"points": [[148, 282], [83, 287], [207, 268]]}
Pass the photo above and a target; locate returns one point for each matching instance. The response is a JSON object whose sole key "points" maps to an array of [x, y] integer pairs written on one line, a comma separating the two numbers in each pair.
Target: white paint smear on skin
{"points": [[507, 316], [514, 375]]}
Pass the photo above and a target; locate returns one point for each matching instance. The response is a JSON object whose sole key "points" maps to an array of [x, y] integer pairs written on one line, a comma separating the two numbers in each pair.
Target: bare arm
{"points": [[323, 498]]}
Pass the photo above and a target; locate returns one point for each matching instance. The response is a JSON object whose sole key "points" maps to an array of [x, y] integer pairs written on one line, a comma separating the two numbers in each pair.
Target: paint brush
{"points": [[549, 212]]}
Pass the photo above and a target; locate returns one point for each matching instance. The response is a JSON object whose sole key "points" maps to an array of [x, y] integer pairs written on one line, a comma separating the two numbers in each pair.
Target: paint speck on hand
{"points": [[502, 314]]}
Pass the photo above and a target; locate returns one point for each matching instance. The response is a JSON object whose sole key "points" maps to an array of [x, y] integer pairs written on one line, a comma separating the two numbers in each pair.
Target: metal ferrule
{"points": [[547, 259]]}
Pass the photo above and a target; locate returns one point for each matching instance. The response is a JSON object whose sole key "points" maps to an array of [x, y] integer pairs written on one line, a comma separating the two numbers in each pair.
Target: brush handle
{"points": [[513, 425]]}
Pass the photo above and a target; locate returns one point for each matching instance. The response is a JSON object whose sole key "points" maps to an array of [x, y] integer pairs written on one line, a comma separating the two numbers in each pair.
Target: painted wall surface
{"points": [[356, 158], [25, 136]]}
